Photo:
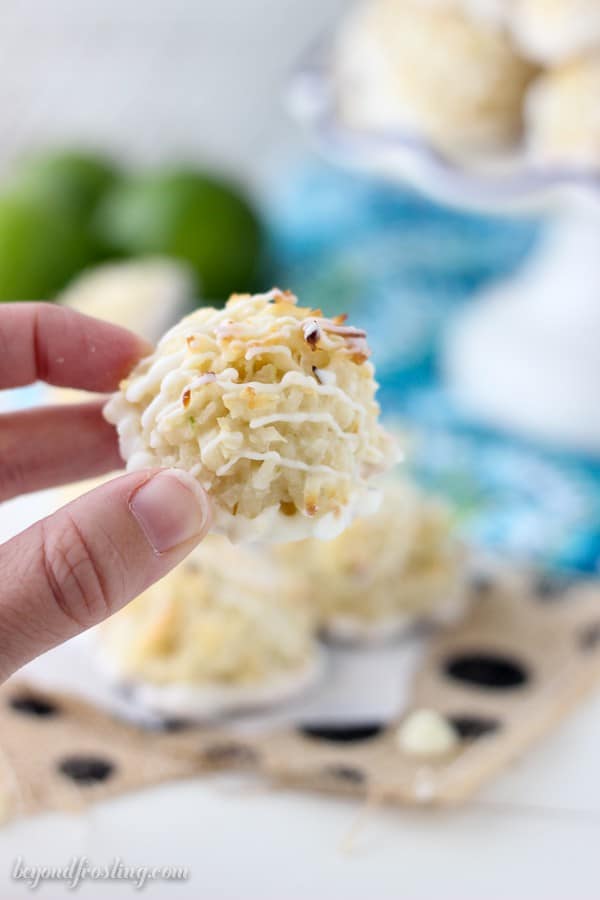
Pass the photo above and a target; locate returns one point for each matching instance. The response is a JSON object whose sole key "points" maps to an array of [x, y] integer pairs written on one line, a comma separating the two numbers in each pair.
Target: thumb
{"points": [[80, 565]]}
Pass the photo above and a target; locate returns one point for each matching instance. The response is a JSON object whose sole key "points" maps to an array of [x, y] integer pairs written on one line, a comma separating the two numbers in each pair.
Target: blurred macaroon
{"points": [[145, 295], [387, 570], [225, 631], [497, 12], [563, 115], [556, 31], [433, 70]]}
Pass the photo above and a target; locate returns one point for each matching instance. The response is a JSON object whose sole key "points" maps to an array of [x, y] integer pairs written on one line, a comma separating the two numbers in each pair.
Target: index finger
{"points": [[47, 342]]}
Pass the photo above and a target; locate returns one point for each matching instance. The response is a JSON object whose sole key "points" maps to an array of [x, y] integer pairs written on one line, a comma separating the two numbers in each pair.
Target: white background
{"points": [[154, 79]]}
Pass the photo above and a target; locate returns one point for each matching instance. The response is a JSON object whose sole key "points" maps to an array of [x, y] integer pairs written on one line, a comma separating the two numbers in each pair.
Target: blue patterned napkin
{"points": [[402, 267]]}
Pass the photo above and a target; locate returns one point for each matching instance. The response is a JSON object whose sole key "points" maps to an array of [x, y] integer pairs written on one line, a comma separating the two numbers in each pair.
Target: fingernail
{"points": [[171, 509]]}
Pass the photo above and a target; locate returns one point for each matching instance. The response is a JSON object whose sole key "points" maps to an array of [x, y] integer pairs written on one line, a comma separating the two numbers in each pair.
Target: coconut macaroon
{"points": [[270, 406], [555, 31], [431, 69], [222, 632], [495, 11], [563, 115], [386, 570]]}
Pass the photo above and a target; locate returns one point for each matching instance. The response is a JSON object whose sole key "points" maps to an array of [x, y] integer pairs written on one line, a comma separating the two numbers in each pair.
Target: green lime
{"points": [[39, 249], [68, 180], [200, 219]]}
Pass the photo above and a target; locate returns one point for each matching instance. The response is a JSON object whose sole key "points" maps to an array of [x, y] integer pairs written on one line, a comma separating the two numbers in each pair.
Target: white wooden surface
{"points": [[533, 835]]}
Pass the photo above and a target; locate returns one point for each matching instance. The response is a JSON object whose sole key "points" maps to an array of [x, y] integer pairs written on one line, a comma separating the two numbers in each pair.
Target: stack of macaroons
{"points": [[271, 407], [562, 112], [477, 77], [432, 68], [236, 628]]}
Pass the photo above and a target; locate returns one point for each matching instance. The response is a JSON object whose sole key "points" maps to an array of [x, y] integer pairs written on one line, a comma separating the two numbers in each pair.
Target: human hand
{"points": [[81, 564]]}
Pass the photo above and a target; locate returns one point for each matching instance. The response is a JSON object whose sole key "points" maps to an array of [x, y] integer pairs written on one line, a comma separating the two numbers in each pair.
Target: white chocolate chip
{"points": [[426, 734]]}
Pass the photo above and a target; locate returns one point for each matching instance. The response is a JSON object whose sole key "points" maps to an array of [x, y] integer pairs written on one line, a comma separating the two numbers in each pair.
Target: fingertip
{"points": [[53, 343], [89, 558], [172, 510], [201, 496], [111, 352]]}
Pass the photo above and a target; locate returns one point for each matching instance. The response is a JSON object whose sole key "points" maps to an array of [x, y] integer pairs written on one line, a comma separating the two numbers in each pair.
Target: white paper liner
{"points": [[210, 701], [353, 629]]}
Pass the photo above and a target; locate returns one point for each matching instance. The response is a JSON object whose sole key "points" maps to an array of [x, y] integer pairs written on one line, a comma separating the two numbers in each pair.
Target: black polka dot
{"points": [[346, 774], [487, 670], [174, 725], [32, 705], [552, 587], [470, 728], [481, 584], [342, 733], [86, 769], [589, 636], [229, 754]]}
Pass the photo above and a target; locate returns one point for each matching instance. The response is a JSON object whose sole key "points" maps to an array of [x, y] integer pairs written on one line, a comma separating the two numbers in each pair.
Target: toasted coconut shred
{"points": [[271, 407]]}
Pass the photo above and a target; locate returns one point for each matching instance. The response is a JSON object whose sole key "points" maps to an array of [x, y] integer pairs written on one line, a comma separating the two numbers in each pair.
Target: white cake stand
{"points": [[526, 354]]}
